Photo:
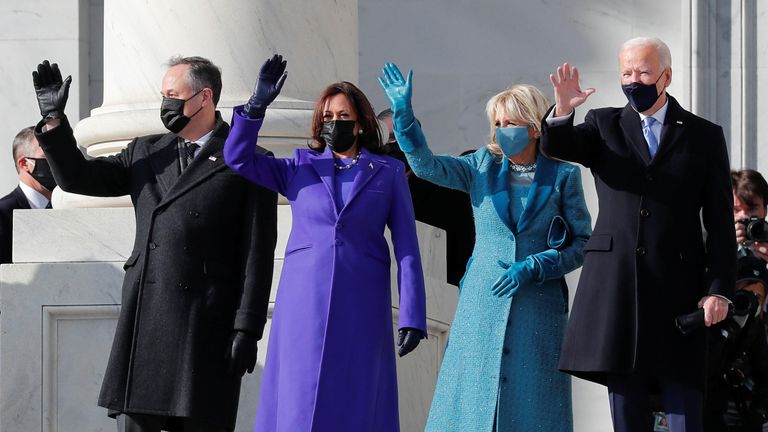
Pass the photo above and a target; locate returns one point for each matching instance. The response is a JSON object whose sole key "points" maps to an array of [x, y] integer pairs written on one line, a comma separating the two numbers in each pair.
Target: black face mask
{"points": [[172, 113], [338, 134], [42, 173], [641, 96]]}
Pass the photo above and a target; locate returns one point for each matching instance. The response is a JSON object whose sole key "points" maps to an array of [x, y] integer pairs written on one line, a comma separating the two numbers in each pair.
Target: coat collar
{"points": [[672, 130], [538, 194], [207, 162], [323, 164]]}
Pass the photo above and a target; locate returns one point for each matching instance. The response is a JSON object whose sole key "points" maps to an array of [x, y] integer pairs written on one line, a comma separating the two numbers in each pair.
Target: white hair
{"points": [[665, 58]]}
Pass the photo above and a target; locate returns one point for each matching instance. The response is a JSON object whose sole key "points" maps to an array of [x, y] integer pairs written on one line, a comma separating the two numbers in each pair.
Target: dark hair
{"points": [[23, 144], [749, 184], [371, 136], [202, 74]]}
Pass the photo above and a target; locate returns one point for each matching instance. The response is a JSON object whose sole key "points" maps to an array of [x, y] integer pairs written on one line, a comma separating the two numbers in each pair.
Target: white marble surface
{"points": [[58, 307]]}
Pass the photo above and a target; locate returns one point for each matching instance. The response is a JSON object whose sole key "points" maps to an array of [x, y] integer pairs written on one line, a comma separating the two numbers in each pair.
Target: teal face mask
{"points": [[512, 140]]}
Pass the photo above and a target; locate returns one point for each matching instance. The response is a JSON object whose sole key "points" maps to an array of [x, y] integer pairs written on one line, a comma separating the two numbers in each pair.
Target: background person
{"points": [[197, 283], [445, 208], [330, 364], [750, 197], [34, 190], [737, 389], [657, 168], [531, 222]]}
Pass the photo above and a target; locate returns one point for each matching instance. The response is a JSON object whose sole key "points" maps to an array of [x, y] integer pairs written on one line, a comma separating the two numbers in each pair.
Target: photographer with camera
{"points": [[750, 197], [737, 391]]}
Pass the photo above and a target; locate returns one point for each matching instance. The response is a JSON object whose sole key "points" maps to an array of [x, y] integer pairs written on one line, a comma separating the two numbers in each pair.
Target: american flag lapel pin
{"points": [[212, 158]]}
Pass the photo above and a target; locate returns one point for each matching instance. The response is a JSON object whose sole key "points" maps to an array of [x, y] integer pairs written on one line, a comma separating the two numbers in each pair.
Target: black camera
{"points": [[755, 229], [745, 304]]}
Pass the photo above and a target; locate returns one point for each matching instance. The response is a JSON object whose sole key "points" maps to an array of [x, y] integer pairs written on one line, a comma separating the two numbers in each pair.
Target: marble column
{"points": [[318, 38]]}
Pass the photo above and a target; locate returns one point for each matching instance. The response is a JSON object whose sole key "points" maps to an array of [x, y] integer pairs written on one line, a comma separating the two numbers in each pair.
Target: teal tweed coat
{"points": [[502, 356]]}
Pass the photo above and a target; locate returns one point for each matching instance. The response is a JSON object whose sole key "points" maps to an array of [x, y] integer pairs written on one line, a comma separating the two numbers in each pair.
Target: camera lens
{"points": [[757, 230]]}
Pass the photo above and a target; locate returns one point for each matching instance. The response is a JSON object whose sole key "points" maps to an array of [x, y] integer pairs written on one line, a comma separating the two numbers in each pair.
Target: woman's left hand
{"points": [[408, 339], [516, 274]]}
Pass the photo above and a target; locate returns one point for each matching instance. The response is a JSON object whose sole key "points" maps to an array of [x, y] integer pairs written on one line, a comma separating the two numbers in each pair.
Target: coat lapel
{"points": [[323, 165], [369, 165], [673, 129], [633, 132], [500, 194], [209, 161], [541, 189], [21, 200], [165, 162]]}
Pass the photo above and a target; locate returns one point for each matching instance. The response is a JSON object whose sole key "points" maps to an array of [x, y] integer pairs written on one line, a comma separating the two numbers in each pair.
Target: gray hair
{"points": [[24, 144], [202, 74], [665, 58]]}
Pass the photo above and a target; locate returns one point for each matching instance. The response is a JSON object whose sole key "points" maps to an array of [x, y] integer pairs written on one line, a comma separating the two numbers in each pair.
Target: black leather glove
{"points": [[271, 78], [52, 92], [408, 339], [242, 356]]}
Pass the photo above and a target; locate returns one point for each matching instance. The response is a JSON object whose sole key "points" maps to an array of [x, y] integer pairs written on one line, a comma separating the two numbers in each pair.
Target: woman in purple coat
{"points": [[330, 364]]}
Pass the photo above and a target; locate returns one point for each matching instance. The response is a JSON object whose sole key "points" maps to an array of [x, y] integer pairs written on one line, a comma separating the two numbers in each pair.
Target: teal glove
{"points": [[516, 274], [399, 92]]}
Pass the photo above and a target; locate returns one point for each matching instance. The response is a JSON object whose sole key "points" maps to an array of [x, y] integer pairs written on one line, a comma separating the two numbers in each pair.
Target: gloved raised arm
{"points": [[399, 92], [52, 92], [271, 79]]}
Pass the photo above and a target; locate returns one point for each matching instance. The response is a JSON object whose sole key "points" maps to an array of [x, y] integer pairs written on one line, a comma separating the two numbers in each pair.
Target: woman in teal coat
{"points": [[499, 372]]}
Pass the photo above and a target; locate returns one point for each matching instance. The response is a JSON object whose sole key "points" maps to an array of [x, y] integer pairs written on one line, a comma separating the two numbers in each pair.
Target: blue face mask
{"points": [[512, 140]]}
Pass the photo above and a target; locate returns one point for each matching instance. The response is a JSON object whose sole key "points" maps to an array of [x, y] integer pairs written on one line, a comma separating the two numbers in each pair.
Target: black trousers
{"points": [[155, 423]]}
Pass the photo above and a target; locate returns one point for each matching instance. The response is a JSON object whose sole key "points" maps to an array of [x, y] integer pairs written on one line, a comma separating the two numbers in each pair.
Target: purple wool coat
{"points": [[331, 359]]}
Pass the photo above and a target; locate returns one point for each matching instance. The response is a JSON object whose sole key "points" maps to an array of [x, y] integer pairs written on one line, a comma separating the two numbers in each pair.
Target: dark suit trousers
{"points": [[631, 405], [155, 423]]}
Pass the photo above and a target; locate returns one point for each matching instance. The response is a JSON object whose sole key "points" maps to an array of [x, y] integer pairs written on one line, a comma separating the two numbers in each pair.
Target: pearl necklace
{"points": [[522, 168], [348, 166]]}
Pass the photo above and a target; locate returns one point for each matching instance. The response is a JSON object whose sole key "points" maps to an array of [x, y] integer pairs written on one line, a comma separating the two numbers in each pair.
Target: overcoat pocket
{"points": [[599, 242]]}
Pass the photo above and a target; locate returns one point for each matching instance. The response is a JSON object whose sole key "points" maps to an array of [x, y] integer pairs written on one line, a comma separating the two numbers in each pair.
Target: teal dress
{"points": [[500, 371]]}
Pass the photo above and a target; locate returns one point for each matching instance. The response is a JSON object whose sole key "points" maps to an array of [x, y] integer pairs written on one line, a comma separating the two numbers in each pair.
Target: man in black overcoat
{"points": [[34, 190], [661, 174], [197, 283]]}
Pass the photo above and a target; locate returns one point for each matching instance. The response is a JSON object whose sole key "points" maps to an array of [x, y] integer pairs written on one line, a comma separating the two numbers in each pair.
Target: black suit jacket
{"points": [[14, 200], [201, 267], [647, 260]]}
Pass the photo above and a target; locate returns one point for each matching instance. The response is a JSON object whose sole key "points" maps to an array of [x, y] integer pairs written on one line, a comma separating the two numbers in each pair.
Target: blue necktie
{"points": [[650, 138]]}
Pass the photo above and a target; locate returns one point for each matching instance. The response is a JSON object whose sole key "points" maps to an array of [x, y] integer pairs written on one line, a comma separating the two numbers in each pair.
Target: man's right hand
{"points": [[52, 92], [568, 93]]}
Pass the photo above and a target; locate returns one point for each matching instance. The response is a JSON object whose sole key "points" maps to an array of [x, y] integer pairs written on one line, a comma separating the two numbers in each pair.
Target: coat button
{"points": [[339, 225], [505, 351], [339, 242], [645, 213], [194, 214], [649, 177], [504, 379], [152, 245], [640, 251]]}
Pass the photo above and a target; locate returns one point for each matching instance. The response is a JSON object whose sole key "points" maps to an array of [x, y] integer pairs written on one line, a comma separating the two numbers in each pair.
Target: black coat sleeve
{"points": [[717, 217], [259, 248], [108, 176], [568, 142]]}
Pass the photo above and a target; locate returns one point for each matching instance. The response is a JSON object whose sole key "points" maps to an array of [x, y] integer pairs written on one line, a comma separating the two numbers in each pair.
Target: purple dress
{"points": [[331, 359]]}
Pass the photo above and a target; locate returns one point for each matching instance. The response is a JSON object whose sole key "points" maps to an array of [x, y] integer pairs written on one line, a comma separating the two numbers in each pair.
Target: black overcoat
{"points": [[647, 260], [201, 267], [14, 200]]}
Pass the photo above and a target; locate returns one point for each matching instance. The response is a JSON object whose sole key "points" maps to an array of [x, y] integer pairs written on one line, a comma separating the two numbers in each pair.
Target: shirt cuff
{"points": [[560, 120]]}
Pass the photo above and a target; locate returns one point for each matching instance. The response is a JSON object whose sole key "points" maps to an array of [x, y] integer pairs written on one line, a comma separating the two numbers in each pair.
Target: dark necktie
{"points": [[190, 148]]}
